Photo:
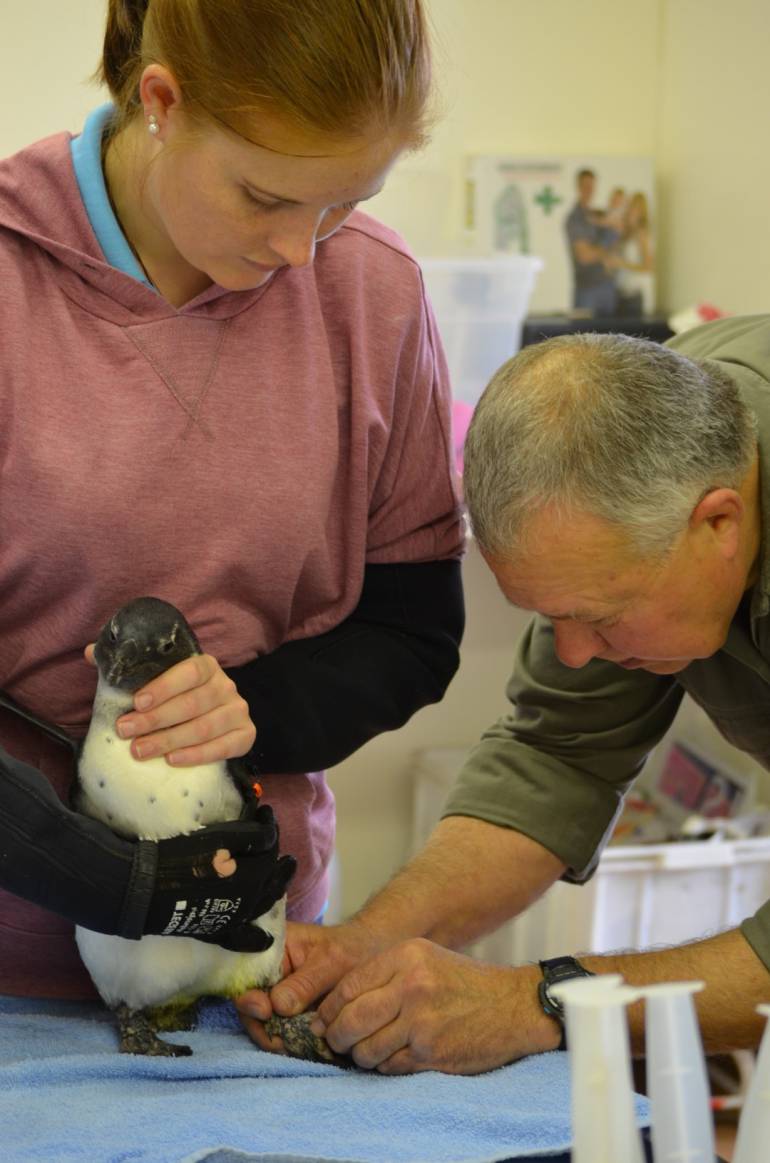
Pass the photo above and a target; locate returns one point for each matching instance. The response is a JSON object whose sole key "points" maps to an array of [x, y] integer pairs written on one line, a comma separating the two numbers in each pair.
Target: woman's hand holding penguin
{"points": [[192, 713]]}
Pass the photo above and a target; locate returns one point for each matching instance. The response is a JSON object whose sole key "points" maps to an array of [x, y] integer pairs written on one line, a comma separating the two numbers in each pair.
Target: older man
{"points": [[619, 490]]}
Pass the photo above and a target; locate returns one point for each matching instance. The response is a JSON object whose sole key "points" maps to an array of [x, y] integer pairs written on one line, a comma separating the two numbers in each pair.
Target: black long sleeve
{"points": [[317, 700], [314, 702], [66, 862]]}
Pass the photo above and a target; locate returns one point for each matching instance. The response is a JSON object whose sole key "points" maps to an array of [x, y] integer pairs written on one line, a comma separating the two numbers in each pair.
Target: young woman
{"points": [[635, 274], [222, 385]]}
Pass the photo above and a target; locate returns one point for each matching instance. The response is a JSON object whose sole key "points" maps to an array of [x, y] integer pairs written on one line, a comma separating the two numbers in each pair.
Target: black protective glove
{"points": [[192, 900]]}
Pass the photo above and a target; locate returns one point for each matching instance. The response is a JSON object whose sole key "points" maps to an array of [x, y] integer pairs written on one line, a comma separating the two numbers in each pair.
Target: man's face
{"points": [[605, 601], [586, 187]]}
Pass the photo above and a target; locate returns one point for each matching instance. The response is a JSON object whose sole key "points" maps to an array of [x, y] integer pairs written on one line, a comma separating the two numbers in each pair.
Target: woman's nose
{"points": [[294, 237]]}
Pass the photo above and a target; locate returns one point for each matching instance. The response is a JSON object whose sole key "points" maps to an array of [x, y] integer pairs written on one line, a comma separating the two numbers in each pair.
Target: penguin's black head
{"points": [[140, 641]]}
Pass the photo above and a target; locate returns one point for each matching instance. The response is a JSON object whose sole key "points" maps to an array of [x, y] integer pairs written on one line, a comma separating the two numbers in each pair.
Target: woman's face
{"points": [[237, 211], [636, 213]]}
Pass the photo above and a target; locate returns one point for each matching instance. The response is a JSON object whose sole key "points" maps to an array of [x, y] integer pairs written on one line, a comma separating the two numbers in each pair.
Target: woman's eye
{"points": [[259, 201], [255, 200]]}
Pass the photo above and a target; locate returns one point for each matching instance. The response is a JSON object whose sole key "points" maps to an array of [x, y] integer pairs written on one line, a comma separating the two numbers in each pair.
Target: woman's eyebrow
{"points": [[296, 202]]}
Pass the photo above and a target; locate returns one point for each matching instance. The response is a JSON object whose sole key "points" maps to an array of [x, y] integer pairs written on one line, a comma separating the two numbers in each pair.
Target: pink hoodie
{"points": [[242, 457]]}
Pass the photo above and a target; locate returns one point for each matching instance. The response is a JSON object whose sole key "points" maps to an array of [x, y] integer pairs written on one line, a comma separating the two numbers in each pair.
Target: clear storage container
{"points": [[480, 305]]}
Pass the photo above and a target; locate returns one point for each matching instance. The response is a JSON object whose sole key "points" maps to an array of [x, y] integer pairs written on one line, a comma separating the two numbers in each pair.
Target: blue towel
{"points": [[66, 1094]]}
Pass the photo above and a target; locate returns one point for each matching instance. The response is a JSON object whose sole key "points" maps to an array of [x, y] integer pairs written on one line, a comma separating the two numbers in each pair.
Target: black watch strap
{"points": [[555, 970]]}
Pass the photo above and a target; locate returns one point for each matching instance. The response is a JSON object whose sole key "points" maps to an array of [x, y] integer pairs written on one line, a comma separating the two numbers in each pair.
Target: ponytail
{"points": [[121, 62]]}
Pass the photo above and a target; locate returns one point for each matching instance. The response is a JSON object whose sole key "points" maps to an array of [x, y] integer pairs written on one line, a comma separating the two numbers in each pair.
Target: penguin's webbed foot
{"points": [[138, 1035], [300, 1042]]}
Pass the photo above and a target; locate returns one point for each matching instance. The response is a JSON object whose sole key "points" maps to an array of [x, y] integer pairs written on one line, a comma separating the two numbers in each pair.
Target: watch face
{"points": [[553, 1002], [550, 1005], [556, 970]]}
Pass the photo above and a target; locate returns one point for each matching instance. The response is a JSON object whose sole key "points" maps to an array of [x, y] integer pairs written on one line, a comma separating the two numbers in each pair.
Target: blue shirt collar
{"points": [[87, 161]]}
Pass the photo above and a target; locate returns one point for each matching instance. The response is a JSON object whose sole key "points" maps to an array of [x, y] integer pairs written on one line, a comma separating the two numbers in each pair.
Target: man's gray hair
{"points": [[617, 427]]}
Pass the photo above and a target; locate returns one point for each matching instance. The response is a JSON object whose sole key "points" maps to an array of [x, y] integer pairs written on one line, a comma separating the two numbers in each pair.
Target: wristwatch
{"points": [[556, 970]]}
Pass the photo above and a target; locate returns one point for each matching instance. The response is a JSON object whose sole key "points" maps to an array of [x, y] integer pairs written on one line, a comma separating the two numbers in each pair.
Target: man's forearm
{"points": [[469, 879], [736, 982], [473, 876]]}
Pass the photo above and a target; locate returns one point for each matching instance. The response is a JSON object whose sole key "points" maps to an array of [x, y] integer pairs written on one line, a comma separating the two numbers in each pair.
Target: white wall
{"points": [[713, 160], [683, 80], [48, 51]]}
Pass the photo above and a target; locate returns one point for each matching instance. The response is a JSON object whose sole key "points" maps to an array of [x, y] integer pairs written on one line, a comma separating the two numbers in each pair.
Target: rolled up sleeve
{"points": [[557, 767], [756, 930]]}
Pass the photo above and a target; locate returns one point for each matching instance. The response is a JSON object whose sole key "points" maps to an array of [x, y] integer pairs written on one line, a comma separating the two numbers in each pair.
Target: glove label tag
{"points": [[206, 918]]}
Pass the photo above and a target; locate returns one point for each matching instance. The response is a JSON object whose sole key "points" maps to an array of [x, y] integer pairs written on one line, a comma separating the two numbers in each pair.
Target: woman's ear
{"points": [[161, 96]]}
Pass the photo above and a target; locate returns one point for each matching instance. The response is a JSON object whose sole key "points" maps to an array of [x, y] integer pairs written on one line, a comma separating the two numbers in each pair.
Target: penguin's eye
{"points": [[167, 646]]}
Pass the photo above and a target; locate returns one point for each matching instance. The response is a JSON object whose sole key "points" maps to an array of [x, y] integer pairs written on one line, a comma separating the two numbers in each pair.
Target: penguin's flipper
{"points": [[300, 1042], [243, 773], [138, 1036]]}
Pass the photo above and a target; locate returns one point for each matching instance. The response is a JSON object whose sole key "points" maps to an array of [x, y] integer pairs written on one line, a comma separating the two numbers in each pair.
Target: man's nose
{"points": [[576, 644]]}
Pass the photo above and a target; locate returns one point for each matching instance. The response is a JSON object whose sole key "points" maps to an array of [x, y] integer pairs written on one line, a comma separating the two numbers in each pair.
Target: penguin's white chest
{"points": [[147, 799], [151, 800], [157, 970]]}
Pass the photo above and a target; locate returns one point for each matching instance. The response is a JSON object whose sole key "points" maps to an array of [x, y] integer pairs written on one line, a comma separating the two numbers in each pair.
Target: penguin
{"points": [[154, 983]]}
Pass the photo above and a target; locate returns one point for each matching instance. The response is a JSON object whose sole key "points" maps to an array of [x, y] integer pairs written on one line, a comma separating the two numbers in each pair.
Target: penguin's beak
{"points": [[117, 663]]}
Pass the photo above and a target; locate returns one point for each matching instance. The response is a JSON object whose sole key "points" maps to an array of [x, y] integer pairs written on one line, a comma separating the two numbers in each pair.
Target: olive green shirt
{"points": [[556, 768]]}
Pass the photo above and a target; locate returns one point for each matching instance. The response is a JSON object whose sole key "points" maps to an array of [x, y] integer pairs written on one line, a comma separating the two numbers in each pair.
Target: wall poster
{"points": [[590, 219]]}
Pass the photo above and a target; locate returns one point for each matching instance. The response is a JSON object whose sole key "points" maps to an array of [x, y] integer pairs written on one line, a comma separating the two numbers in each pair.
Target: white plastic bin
{"points": [[480, 305], [641, 895]]}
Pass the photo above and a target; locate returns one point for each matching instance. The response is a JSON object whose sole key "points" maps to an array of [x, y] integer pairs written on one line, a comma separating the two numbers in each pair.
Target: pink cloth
{"points": [[462, 414], [242, 457]]}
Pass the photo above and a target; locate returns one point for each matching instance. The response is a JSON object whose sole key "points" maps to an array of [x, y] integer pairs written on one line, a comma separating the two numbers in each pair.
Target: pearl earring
{"points": [[152, 125]]}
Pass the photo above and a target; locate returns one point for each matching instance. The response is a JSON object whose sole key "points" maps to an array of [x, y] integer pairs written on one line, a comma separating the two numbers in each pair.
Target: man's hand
{"points": [[192, 713], [315, 958], [418, 1006]]}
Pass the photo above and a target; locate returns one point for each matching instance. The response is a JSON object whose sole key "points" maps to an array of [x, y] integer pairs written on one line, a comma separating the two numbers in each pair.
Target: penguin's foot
{"points": [[138, 1036], [299, 1041]]}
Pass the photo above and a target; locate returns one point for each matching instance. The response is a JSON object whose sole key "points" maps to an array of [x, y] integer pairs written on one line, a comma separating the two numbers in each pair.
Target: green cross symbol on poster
{"points": [[547, 198]]}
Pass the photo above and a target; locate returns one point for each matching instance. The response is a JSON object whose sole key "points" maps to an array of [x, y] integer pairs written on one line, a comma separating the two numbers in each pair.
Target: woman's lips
{"points": [[260, 266]]}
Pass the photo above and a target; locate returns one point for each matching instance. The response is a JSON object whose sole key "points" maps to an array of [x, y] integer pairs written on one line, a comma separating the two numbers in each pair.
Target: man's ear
{"points": [[719, 516]]}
